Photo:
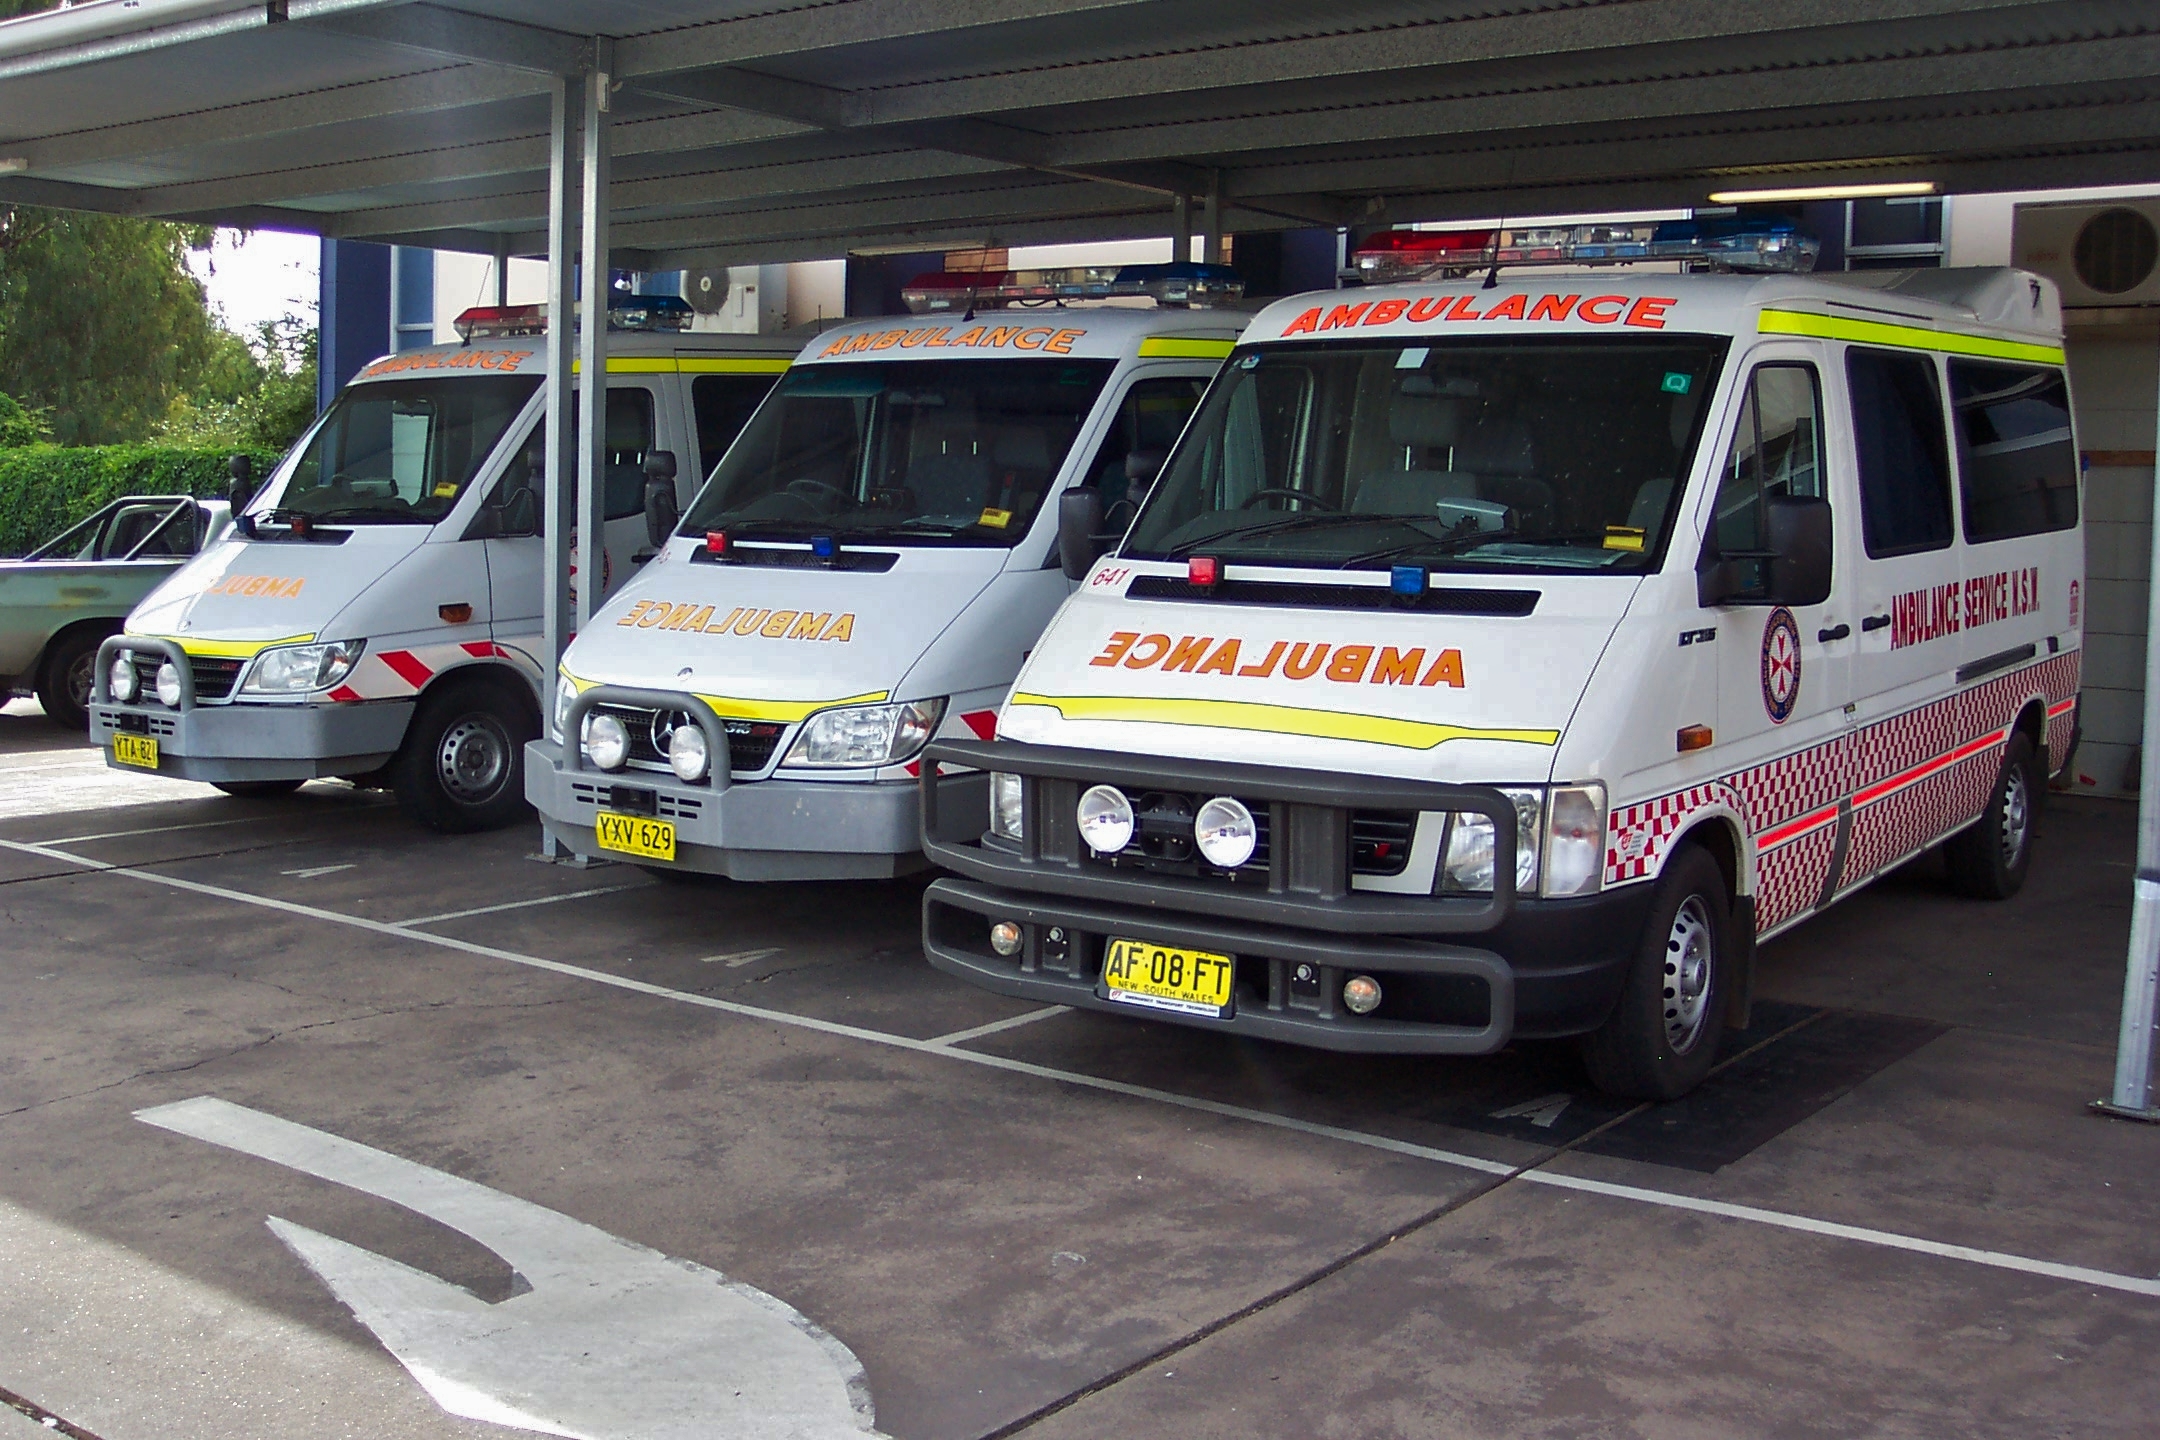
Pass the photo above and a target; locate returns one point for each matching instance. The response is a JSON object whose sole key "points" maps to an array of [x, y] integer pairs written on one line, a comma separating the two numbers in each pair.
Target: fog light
{"points": [[688, 753], [168, 685], [1106, 819], [1225, 832], [607, 743], [1361, 994], [1005, 938], [123, 681]]}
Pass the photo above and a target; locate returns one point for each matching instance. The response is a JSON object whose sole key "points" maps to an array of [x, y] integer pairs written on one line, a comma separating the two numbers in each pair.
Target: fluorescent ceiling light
{"points": [[1824, 192]]}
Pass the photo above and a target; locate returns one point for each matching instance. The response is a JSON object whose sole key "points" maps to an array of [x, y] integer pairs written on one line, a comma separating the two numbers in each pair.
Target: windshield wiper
{"points": [[363, 512], [1276, 527], [1456, 543]]}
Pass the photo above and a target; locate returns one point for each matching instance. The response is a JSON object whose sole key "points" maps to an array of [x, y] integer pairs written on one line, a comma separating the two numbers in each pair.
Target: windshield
{"points": [[1474, 455], [937, 450], [400, 452]]}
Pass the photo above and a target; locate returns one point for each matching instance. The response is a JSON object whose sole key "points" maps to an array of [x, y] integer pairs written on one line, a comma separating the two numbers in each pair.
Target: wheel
{"points": [[1663, 1035], [1988, 859], [462, 767], [257, 789], [63, 686]]}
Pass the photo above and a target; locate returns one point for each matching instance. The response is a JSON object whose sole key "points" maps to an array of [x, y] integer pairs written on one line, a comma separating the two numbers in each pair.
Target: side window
{"points": [[1147, 423], [1903, 452], [723, 404], [2017, 465], [1776, 450], [629, 437]]}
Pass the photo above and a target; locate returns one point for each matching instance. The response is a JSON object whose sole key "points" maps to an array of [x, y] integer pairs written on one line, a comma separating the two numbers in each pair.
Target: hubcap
{"points": [[1689, 956], [474, 759], [80, 678], [2016, 816]]}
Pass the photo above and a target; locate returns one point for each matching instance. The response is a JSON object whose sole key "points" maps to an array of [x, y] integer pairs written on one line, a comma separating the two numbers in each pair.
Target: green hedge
{"points": [[46, 488]]}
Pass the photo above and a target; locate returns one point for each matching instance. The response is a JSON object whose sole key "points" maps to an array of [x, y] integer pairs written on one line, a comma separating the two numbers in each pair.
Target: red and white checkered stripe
{"points": [[1911, 779], [397, 674]]}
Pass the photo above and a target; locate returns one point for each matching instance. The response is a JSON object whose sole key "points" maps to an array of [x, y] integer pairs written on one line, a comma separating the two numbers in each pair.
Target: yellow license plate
{"points": [[636, 835], [1160, 977], [137, 750]]}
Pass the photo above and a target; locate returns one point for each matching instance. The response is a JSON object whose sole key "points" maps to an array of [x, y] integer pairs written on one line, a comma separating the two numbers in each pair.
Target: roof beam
{"points": [[462, 35]]}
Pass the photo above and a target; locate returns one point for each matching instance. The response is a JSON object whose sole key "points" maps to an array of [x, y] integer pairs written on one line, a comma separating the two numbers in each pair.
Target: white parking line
{"points": [[515, 905], [1887, 1239], [1012, 1022]]}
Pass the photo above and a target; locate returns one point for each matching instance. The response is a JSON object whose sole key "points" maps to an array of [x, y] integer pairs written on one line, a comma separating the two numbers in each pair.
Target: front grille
{"points": [[1163, 844], [750, 742], [1380, 841], [214, 675]]}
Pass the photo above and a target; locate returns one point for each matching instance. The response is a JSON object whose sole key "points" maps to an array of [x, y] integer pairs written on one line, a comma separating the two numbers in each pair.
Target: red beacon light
{"points": [[1176, 285], [1204, 571], [1408, 254], [716, 542], [488, 322]]}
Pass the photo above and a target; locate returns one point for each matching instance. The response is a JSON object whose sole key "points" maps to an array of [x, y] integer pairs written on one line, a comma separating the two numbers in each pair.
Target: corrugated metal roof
{"points": [[795, 130]]}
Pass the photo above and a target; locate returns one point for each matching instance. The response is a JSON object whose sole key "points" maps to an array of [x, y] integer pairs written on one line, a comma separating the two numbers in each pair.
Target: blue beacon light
{"points": [[1407, 580]]}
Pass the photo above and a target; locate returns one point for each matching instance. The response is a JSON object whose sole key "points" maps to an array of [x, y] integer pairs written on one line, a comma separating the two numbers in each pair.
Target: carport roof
{"points": [[796, 129]]}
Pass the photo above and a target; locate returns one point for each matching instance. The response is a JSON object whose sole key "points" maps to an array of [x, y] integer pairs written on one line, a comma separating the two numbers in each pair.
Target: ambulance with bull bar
{"points": [[375, 611], [1508, 654], [866, 570]]}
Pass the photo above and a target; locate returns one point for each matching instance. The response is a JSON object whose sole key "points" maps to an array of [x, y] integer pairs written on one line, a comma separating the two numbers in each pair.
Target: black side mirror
{"points": [[662, 514], [1080, 523], [241, 487], [1793, 570]]}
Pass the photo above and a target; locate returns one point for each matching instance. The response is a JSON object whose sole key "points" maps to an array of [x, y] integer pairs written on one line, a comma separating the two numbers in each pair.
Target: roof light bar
{"points": [[1180, 283], [1885, 191], [625, 312], [489, 322], [1769, 243]]}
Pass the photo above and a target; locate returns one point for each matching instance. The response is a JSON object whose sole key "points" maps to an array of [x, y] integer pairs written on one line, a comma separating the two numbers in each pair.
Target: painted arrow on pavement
{"points": [[613, 1341]]}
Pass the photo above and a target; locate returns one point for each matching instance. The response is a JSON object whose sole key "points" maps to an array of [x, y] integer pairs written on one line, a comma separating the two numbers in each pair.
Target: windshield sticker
{"points": [[1646, 312], [501, 360], [1303, 660], [996, 519], [1918, 616], [1780, 665], [1047, 339], [259, 587], [742, 620]]}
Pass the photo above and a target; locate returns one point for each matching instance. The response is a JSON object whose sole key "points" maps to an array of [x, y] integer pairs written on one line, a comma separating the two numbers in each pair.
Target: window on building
{"points": [[2017, 465], [1903, 233], [1903, 450]]}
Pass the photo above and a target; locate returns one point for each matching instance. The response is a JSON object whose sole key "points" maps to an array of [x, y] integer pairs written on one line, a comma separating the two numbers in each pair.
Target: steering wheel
{"points": [[1293, 493], [807, 489]]}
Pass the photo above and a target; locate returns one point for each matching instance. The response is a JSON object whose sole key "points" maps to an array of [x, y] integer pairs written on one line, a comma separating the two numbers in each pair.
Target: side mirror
{"points": [[662, 514], [241, 488], [1080, 522], [1794, 570]]}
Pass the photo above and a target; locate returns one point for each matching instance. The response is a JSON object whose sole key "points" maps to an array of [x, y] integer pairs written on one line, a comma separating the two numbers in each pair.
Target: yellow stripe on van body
{"points": [[1277, 719], [225, 649], [1906, 337], [787, 712], [699, 365], [1167, 347]]}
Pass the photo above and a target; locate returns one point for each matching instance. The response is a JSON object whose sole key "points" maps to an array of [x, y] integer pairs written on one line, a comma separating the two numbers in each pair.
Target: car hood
{"points": [[251, 593]]}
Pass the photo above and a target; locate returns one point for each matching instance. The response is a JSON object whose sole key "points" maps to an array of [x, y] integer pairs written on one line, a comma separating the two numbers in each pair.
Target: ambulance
{"points": [[865, 571], [375, 612], [1508, 656]]}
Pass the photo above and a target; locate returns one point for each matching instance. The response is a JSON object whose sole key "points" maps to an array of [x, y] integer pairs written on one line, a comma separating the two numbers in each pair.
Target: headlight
{"points": [[1225, 832], [1105, 818], [565, 692], [123, 682], [860, 735], [607, 741], [168, 685], [1005, 806], [1469, 862], [296, 669], [688, 752], [1575, 840]]}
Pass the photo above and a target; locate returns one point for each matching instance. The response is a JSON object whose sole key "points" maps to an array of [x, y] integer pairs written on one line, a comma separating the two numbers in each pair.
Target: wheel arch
{"points": [[477, 672], [100, 625]]}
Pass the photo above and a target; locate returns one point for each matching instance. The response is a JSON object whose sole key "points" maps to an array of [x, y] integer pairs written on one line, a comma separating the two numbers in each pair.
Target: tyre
{"points": [[1662, 1036], [63, 686], [462, 767], [257, 789], [1988, 859]]}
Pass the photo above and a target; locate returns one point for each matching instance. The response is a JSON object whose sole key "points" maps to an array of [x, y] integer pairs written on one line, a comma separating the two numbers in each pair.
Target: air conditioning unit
{"points": [[2100, 252]]}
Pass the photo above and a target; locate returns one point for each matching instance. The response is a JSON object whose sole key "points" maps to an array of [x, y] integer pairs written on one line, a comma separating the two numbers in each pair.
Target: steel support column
{"points": [[556, 620], [1211, 221], [2133, 1097], [592, 343], [1181, 227]]}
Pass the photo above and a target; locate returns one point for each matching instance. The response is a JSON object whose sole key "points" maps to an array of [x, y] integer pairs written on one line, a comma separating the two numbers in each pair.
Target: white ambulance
{"points": [[375, 613], [1697, 601], [866, 570]]}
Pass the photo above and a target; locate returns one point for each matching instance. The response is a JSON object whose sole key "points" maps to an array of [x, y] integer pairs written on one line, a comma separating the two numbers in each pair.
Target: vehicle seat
{"points": [[1426, 427], [950, 474], [1020, 466], [627, 438], [133, 523], [1499, 450]]}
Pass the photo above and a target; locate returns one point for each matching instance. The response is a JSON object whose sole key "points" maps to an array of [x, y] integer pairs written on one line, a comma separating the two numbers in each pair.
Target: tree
{"points": [[255, 394]]}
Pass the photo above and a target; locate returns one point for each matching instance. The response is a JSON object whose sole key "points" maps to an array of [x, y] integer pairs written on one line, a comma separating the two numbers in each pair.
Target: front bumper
{"points": [[746, 830], [1458, 975], [242, 741]]}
